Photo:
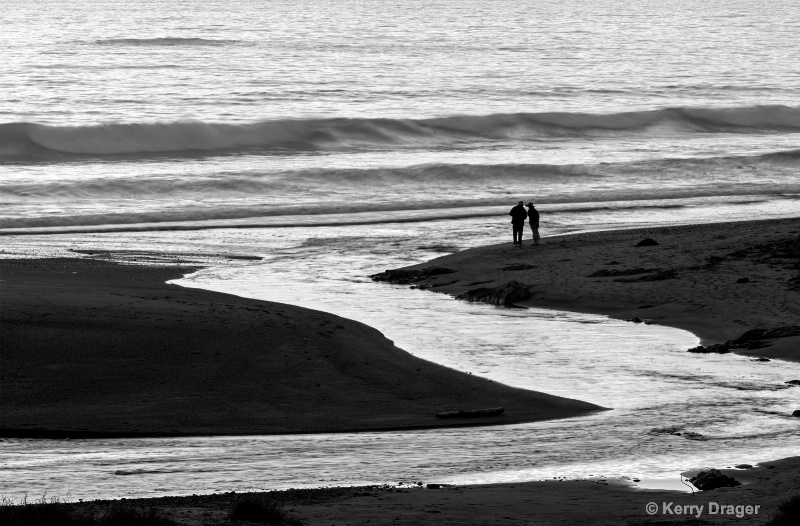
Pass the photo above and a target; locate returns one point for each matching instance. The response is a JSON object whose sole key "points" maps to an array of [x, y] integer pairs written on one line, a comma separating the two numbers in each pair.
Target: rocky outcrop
{"points": [[504, 295], [404, 277], [713, 479], [750, 340]]}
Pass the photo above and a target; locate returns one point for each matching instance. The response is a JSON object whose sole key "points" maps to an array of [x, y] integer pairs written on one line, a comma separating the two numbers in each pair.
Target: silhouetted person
{"points": [[518, 215], [533, 220]]}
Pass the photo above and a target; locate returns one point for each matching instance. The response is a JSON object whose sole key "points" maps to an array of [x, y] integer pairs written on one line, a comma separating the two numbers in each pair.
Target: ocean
{"points": [[336, 139]]}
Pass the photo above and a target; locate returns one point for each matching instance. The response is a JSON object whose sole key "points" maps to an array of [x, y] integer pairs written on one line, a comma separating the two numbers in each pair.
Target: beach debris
{"points": [[492, 411], [404, 277], [713, 479], [636, 319], [658, 276], [604, 273], [647, 242], [793, 382], [743, 280], [761, 359], [504, 295], [433, 486], [521, 266]]}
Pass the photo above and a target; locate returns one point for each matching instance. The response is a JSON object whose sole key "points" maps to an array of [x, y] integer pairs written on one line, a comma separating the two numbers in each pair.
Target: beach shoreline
{"points": [[717, 281]]}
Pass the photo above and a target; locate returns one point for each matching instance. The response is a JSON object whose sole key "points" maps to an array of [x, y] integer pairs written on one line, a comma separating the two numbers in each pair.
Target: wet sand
{"points": [[92, 348], [700, 267]]}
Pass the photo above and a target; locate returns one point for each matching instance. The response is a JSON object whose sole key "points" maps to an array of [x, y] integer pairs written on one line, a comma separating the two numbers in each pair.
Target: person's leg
{"points": [[517, 234], [536, 236]]}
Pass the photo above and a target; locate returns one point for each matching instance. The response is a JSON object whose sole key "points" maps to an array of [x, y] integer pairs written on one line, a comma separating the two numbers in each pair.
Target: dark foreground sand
{"points": [[701, 295], [93, 348], [564, 503]]}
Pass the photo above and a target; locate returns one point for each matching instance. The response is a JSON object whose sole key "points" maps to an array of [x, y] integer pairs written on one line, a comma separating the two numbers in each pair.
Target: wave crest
{"points": [[31, 140]]}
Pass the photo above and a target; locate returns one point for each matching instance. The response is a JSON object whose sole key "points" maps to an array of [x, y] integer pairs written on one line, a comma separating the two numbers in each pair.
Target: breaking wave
{"points": [[30, 141]]}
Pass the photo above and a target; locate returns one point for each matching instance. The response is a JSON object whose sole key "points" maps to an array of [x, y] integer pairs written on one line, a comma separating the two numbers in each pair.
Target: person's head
{"points": [[530, 205], [519, 204]]}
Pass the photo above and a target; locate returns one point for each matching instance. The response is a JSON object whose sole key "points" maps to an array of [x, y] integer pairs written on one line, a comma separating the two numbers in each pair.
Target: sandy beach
{"points": [[715, 280], [93, 348]]}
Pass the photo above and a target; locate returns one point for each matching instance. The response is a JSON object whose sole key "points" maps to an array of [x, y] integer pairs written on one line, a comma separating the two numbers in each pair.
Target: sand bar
{"points": [[93, 348], [715, 280]]}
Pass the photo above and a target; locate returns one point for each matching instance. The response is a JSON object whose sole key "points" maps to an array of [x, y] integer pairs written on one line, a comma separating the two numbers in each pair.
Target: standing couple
{"points": [[518, 215]]}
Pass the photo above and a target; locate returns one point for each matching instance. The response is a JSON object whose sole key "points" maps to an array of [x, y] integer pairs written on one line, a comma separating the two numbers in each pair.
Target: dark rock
{"points": [[753, 334], [793, 382], [647, 242], [521, 266], [781, 332], [658, 276], [713, 479], [691, 435], [743, 466], [796, 412], [762, 359], [404, 277], [505, 295], [636, 320], [433, 486], [719, 348], [743, 280]]}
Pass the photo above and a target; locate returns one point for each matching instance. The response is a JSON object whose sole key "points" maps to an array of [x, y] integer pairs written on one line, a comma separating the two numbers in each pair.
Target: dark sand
{"points": [[565, 503], [703, 297], [93, 348]]}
